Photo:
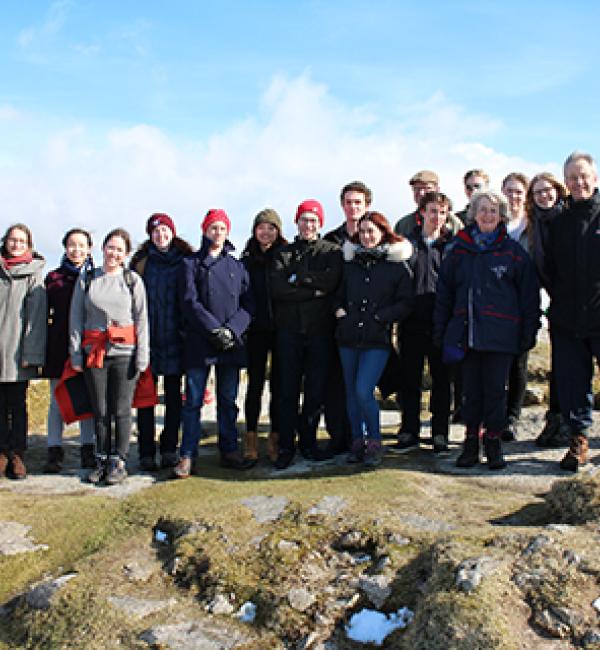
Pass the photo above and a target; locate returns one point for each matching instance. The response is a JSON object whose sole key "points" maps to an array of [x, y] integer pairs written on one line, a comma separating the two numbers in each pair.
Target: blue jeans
{"points": [[362, 370], [574, 370], [87, 431], [227, 410]]}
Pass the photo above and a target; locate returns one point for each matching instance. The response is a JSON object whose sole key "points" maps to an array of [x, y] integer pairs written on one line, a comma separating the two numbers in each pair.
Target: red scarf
{"points": [[9, 262]]}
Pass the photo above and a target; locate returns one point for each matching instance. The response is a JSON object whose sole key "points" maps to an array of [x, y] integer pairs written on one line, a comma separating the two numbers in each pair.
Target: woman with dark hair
{"points": [[514, 188], [158, 261], [60, 284], [375, 292], [486, 312], [258, 257], [22, 340], [108, 341], [545, 200]]}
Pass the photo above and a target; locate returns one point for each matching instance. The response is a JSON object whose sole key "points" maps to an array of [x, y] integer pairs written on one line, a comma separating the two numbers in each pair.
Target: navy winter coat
{"points": [[160, 272], [376, 291], [59, 284], [214, 292], [487, 299]]}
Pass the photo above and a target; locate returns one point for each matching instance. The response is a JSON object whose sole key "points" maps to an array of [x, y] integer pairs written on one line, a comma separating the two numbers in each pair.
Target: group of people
{"points": [[326, 318]]}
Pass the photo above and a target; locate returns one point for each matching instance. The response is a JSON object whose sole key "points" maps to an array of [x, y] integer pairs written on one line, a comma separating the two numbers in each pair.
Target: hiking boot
{"points": [[235, 460], [469, 456], [373, 453], [54, 462], [19, 471], [183, 468], [273, 446], [98, 473], [510, 433], [169, 459], [556, 432], [492, 446], [88, 456], [284, 459], [3, 464], [440, 443], [406, 442], [148, 464], [577, 454], [357, 451], [116, 472], [251, 446]]}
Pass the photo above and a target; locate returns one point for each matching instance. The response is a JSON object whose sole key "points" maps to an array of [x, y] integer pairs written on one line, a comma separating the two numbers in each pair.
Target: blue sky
{"points": [[112, 110]]}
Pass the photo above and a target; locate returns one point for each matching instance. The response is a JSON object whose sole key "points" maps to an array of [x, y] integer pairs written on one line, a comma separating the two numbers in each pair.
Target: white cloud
{"points": [[9, 113], [53, 22], [301, 143]]}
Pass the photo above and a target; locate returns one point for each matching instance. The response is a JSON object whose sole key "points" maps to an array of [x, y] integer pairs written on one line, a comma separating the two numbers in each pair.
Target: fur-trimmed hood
{"points": [[400, 251]]}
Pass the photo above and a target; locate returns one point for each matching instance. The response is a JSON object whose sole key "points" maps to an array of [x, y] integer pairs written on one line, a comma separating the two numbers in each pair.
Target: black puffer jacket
{"points": [[305, 275], [259, 265], [572, 268], [376, 291]]}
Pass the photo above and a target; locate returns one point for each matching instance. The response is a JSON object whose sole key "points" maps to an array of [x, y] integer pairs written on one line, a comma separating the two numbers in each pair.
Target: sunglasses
{"points": [[473, 186]]}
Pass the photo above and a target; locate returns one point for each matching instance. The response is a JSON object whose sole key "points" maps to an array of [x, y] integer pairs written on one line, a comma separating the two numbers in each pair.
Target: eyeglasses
{"points": [[544, 190], [473, 186]]}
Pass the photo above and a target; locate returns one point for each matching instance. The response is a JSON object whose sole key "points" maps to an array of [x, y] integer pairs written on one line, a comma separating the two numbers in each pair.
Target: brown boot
{"points": [[251, 446], [273, 446], [54, 462], [3, 464], [577, 454], [19, 471]]}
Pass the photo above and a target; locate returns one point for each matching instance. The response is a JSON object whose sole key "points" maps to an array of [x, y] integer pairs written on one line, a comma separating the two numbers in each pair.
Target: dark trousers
{"points": [[305, 361], [13, 416], [169, 436], [336, 414], [485, 375], [416, 347], [260, 343], [517, 384], [111, 391], [574, 367], [554, 404]]}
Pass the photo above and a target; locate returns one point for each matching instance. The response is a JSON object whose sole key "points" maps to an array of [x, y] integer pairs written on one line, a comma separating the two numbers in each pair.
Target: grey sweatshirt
{"points": [[23, 320], [109, 302]]}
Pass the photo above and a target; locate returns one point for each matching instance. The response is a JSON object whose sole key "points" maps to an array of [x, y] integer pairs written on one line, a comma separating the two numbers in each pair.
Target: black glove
{"points": [[222, 339]]}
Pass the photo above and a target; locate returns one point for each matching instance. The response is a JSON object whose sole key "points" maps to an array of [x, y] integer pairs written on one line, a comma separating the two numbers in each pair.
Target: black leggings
{"points": [[13, 416], [111, 391]]}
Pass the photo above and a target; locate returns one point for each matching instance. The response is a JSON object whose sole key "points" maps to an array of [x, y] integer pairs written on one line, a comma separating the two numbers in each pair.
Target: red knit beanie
{"points": [[160, 219], [310, 205], [215, 214]]}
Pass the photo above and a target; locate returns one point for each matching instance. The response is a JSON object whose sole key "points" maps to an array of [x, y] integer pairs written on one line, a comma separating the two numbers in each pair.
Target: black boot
{"points": [[492, 446], [88, 456], [470, 453], [54, 462]]}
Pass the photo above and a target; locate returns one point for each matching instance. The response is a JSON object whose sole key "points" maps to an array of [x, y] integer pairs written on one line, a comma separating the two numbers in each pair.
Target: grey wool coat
{"points": [[23, 320]]}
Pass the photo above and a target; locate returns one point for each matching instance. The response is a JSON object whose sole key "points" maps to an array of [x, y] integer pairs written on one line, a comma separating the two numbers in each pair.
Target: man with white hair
{"points": [[573, 272]]}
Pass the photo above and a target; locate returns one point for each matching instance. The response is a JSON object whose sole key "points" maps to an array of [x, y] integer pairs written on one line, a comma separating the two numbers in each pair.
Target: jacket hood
{"points": [[21, 270], [399, 251], [228, 247]]}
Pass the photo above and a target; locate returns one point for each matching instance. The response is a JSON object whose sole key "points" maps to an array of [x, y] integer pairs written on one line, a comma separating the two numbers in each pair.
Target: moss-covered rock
{"points": [[575, 500]]}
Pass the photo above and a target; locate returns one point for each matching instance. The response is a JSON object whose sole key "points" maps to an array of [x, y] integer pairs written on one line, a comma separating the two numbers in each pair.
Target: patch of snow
{"points": [[371, 626], [247, 612], [596, 605]]}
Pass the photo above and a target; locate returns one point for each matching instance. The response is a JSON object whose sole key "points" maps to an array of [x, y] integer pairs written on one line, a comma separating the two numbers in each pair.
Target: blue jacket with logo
{"points": [[487, 298]]}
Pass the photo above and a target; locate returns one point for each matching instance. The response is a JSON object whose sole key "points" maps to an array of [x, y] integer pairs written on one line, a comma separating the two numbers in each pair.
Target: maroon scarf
{"points": [[9, 262]]}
